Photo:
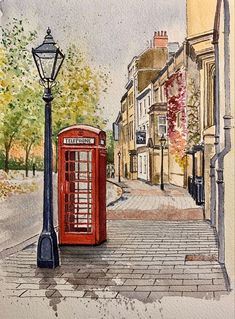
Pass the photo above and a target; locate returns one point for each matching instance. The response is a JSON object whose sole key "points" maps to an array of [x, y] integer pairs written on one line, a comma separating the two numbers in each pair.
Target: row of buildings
{"points": [[184, 93]]}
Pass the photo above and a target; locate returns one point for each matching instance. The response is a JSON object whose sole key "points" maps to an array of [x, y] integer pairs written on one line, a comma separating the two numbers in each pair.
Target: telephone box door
{"points": [[77, 198]]}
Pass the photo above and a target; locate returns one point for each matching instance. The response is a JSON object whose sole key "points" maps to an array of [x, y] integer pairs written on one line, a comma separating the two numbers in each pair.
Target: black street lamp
{"points": [[48, 59], [119, 166], [163, 143]]}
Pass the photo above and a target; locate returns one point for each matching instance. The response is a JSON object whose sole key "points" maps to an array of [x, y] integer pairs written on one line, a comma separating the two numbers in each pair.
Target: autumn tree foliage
{"points": [[76, 94]]}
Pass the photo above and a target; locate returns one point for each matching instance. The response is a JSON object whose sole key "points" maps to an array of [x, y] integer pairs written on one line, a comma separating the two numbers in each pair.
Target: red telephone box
{"points": [[82, 185]]}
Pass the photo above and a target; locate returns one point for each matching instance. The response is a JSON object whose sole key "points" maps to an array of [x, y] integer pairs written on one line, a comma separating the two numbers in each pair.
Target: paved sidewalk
{"points": [[143, 260], [141, 200]]}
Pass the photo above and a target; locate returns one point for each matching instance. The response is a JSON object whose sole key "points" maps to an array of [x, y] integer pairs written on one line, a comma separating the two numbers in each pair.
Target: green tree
{"points": [[31, 132], [17, 80], [77, 94], [110, 147]]}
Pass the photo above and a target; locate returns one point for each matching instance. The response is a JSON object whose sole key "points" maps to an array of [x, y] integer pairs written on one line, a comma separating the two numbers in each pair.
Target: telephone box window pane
{"points": [[83, 167], [83, 156], [66, 167], [72, 167], [78, 194], [72, 156]]}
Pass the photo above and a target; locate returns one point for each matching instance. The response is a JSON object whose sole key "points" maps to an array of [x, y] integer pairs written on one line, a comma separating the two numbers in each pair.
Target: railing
{"points": [[196, 189]]}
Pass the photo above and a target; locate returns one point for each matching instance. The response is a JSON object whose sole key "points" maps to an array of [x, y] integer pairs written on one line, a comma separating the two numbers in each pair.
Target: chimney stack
{"points": [[160, 39]]}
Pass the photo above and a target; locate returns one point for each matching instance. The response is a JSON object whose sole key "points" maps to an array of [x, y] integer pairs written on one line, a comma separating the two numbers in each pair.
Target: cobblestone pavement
{"points": [[143, 260], [138, 198]]}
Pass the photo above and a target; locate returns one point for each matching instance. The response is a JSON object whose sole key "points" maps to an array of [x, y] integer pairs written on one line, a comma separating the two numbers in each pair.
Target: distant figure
{"points": [[108, 171], [34, 169], [112, 172]]}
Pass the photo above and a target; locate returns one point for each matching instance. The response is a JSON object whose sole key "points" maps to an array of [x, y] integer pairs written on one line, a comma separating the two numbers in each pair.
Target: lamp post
{"points": [[119, 167], [48, 59], [163, 143]]}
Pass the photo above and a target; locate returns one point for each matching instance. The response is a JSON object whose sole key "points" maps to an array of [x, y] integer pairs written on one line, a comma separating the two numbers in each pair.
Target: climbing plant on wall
{"points": [[193, 103], [175, 89]]}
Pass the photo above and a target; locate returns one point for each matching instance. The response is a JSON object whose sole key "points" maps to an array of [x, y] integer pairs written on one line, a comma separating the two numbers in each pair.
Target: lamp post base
{"points": [[47, 252]]}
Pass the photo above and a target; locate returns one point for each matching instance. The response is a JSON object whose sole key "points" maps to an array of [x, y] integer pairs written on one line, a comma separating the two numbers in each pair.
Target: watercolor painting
{"points": [[117, 159]]}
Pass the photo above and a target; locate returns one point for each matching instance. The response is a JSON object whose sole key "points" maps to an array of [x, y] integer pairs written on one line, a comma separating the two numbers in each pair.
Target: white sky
{"points": [[110, 32]]}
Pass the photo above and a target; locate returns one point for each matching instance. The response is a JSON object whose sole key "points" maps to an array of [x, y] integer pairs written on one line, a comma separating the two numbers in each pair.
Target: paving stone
{"points": [[76, 275], [183, 288], [197, 282], [81, 281], [100, 294], [11, 286], [159, 295], [219, 294], [38, 293], [218, 281], [122, 288], [129, 276], [201, 295], [16, 293], [211, 275], [157, 276], [198, 271], [152, 288], [67, 293], [211, 287], [63, 287], [142, 296], [33, 286], [168, 282], [137, 282], [146, 271], [120, 270], [185, 276], [171, 271]]}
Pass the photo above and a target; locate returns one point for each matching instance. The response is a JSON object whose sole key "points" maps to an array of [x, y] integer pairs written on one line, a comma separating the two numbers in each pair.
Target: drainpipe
{"points": [[227, 135], [216, 120], [217, 134]]}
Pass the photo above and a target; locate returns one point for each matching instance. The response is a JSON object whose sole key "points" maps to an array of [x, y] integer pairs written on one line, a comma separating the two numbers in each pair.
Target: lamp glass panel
{"points": [[57, 65], [39, 66], [47, 63]]}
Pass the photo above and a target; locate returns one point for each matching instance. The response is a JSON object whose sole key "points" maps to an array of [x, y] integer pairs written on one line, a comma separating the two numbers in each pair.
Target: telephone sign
{"points": [[80, 140]]}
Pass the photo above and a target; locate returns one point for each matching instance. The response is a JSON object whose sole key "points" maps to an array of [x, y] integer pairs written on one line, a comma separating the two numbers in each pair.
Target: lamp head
{"points": [[48, 59]]}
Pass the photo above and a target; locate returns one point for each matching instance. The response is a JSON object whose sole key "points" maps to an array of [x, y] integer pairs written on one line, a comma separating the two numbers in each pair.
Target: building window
{"points": [[161, 125], [156, 95], [140, 164], [131, 133], [149, 100], [144, 106], [140, 109], [124, 107], [133, 163], [130, 98]]}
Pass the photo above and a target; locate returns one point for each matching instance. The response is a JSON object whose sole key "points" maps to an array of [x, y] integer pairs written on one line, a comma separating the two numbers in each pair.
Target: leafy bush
{"points": [[19, 164]]}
